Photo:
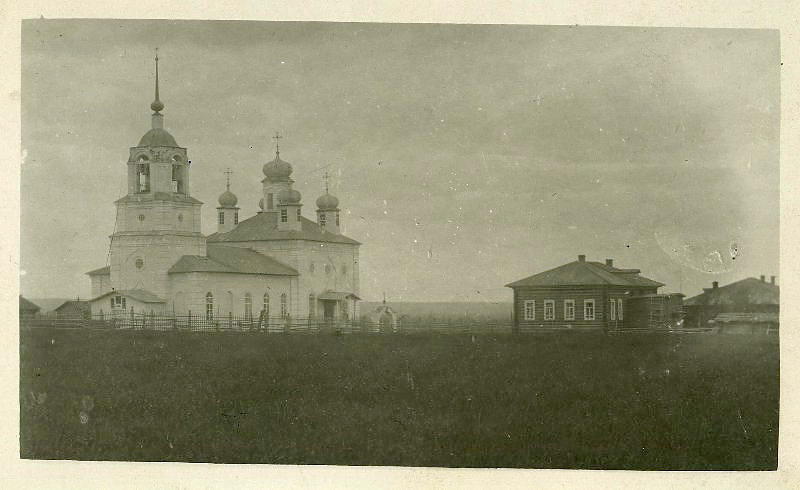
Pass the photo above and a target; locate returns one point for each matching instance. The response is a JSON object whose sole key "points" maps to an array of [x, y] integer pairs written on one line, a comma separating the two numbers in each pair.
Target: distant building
{"points": [[385, 318], [745, 323], [584, 294], [749, 295], [74, 309], [27, 308]]}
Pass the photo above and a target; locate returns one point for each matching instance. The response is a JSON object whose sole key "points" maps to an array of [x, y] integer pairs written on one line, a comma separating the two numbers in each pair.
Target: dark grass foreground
{"points": [[536, 401]]}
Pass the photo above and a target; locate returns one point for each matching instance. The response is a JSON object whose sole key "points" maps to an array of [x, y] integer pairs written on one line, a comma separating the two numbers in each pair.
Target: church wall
{"points": [[158, 216], [188, 293], [158, 254]]}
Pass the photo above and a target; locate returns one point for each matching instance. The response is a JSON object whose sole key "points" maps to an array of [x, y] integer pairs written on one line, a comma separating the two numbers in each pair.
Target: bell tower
{"points": [[157, 221]]}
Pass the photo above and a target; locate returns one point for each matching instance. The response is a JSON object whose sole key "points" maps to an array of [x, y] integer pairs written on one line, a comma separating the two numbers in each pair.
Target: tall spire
{"points": [[228, 178], [325, 178], [157, 105]]}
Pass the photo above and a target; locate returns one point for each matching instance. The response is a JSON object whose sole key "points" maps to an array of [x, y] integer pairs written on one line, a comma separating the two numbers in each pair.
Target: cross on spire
{"points": [[325, 178], [277, 143], [157, 105], [228, 178]]}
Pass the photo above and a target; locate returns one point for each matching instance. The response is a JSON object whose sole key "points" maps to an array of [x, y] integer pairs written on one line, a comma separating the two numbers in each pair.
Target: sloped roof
{"points": [[238, 260], [158, 196], [83, 305], [749, 291], [264, 226], [745, 317], [28, 305], [137, 294], [579, 273], [103, 271]]}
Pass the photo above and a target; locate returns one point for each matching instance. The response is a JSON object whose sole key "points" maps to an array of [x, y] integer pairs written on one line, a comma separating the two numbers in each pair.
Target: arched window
{"points": [[265, 305], [298, 214], [322, 220], [312, 306], [284, 310], [143, 174], [209, 306], [248, 306]]}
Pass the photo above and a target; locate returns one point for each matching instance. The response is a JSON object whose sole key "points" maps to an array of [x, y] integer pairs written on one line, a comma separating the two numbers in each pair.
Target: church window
{"points": [[221, 218], [327, 268], [337, 218], [180, 217], [298, 214], [312, 305], [269, 201], [248, 306], [284, 310], [141, 217], [344, 270], [311, 268], [284, 216], [265, 305], [236, 217], [139, 263], [322, 220], [177, 176], [209, 306], [345, 310]]}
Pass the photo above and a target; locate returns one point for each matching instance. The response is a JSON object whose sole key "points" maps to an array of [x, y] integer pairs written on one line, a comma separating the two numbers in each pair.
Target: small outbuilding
{"points": [[745, 323], [27, 308], [74, 309], [384, 318]]}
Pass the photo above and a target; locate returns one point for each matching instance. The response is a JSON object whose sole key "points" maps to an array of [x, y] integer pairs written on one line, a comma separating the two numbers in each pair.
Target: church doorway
{"points": [[329, 310]]}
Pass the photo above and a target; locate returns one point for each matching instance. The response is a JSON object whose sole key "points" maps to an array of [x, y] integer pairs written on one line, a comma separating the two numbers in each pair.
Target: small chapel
{"points": [[277, 264]]}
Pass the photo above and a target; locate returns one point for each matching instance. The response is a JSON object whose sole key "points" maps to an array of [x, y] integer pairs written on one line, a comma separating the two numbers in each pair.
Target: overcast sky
{"points": [[465, 157]]}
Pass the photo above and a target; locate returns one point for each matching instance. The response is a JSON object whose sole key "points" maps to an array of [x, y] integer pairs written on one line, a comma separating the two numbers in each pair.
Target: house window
{"points": [[322, 220], [284, 310], [209, 306], [312, 305], [221, 218], [269, 201], [619, 309], [569, 309], [236, 217], [612, 309], [284, 216], [529, 309], [265, 305], [248, 306], [588, 309], [118, 302], [549, 309]]}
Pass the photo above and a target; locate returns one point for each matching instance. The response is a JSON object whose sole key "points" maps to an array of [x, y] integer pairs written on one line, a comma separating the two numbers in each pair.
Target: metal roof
{"points": [[137, 294], [237, 260], [749, 291], [580, 273], [264, 226], [103, 271]]}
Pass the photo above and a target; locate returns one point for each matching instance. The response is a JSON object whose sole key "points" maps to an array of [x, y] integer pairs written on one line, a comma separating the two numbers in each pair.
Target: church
{"points": [[277, 263]]}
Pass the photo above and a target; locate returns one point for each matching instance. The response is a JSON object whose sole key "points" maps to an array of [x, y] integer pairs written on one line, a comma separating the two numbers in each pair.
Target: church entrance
{"points": [[329, 310]]}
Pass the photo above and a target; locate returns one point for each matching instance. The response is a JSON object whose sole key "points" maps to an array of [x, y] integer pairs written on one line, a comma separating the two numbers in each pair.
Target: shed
{"points": [[27, 308]]}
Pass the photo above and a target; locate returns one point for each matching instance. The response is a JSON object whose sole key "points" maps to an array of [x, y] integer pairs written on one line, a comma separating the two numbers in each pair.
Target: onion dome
{"points": [[277, 170], [327, 202], [158, 137], [261, 204], [228, 199], [289, 196]]}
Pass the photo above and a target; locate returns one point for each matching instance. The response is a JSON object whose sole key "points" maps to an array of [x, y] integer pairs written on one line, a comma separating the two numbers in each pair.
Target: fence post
{"points": [[189, 320], [230, 320]]}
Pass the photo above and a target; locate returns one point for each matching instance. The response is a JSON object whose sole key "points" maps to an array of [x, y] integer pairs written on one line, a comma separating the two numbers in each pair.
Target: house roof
{"points": [[238, 260], [158, 196], [581, 273], [103, 271], [336, 295], [137, 294], [264, 226], [750, 291], [28, 305], [745, 317], [84, 305]]}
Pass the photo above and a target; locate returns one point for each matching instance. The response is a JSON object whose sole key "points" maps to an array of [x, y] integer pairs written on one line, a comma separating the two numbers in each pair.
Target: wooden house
{"points": [[595, 295]]}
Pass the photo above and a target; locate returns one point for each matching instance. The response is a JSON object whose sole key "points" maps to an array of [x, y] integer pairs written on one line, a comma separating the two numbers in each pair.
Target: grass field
{"points": [[572, 400]]}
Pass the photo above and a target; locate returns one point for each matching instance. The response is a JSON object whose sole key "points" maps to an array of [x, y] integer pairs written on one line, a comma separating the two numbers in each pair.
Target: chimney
{"points": [[581, 258], [610, 262], [772, 280], [714, 285], [762, 279]]}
